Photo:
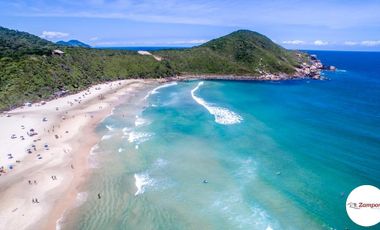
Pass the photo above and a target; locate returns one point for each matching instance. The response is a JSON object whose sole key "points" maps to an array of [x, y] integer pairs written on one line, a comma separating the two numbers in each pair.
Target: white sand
{"points": [[142, 52], [75, 134]]}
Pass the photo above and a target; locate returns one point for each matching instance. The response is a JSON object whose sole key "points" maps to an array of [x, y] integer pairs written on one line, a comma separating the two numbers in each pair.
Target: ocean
{"points": [[238, 154]]}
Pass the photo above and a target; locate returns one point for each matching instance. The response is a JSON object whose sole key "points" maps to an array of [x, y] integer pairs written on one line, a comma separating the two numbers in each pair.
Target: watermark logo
{"points": [[363, 205]]}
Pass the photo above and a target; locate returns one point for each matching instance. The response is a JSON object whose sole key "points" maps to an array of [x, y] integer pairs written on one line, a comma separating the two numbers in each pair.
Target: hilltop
{"points": [[240, 53], [74, 43], [29, 71]]}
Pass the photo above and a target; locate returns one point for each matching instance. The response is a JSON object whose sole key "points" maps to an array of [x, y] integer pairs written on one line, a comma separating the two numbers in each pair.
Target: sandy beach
{"points": [[44, 155]]}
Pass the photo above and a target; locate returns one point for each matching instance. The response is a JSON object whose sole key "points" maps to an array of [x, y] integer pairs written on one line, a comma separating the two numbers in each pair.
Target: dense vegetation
{"points": [[16, 44], [30, 72], [240, 53]]}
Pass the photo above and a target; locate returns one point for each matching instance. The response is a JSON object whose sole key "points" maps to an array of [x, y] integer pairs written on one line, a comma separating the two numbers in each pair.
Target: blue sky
{"points": [[324, 24]]}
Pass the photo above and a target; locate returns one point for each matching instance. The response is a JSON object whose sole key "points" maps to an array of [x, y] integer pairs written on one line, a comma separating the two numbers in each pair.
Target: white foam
{"points": [[141, 121], [93, 149], [222, 115], [106, 137], [81, 198], [160, 162], [58, 224], [110, 128], [138, 137], [126, 130], [155, 90], [92, 158], [141, 182], [120, 150], [341, 70]]}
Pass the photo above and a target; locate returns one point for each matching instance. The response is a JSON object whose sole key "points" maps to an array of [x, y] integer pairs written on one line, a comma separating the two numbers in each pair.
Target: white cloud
{"points": [[294, 42], [350, 43], [53, 35], [320, 43], [370, 43], [94, 39]]}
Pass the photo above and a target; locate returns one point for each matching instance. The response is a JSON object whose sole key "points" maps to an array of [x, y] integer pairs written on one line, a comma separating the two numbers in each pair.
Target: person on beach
{"points": [[35, 182], [99, 197]]}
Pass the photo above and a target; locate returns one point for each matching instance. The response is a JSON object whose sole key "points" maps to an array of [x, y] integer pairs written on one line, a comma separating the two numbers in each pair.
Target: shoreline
{"points": [[95, 104], [65, 158]]}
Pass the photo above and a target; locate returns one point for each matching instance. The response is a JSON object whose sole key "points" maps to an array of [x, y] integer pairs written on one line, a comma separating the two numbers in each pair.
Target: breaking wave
{"points": [[222, 115], [142, 181], [155, 90], [141, 121], [137, 137], [106, 137], [110, 128]]}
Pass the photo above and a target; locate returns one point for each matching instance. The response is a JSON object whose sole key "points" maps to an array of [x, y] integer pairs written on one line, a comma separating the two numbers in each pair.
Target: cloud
{"points": [[94, 38], [53, 35], [294, 42], [320, 43], [370, 43], [350, 43]]}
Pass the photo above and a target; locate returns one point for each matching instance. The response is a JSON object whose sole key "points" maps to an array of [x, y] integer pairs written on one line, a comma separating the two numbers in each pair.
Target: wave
{"points": [[92, 158], [142, 181], [141, 121], [81, 198], [137, 137], [106, 137], [110, 128], [155, 90], [93, 149], [341, 70], [160, 162], [126, 130], [222, 115], [231, 206], [59, 222]]}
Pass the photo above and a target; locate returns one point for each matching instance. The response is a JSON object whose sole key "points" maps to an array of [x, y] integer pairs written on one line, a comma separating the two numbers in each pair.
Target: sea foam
{"points": [[141, 121], [142, 181], [106, 137], [81, 198], [137, 137], [110, 128], [155, 90], [222, 115]]}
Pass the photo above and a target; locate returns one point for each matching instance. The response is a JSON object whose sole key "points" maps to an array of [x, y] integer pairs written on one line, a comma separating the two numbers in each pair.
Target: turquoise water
{"points": [[276, 155]]}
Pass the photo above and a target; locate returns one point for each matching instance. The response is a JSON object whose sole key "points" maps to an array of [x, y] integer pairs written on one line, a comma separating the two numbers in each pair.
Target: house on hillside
{"points": [[57, 52]]}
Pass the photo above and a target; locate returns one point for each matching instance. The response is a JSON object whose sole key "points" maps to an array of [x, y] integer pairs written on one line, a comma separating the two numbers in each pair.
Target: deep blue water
{"points": [[276, 155]]}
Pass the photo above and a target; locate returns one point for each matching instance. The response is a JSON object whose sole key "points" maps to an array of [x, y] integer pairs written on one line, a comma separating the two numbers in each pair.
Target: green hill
{"points": [[74, 43], [30, 72], [240, 53], [16, 44]]}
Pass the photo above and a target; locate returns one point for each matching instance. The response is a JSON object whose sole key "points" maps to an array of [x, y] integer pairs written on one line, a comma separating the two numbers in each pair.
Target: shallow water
{"points": [[276, 155]]}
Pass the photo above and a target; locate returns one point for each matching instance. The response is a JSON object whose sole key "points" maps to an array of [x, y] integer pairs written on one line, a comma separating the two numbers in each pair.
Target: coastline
{"points": [[59, 169], [67, 118]]}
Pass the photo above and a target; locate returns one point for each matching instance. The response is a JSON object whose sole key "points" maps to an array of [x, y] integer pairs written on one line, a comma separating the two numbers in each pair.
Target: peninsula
{"points": [[33, 69]]}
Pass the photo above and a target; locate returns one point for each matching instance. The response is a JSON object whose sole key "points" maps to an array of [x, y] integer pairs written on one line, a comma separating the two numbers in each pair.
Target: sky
{"points": [[294, 24]]}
